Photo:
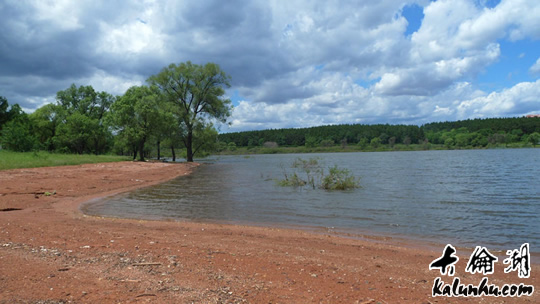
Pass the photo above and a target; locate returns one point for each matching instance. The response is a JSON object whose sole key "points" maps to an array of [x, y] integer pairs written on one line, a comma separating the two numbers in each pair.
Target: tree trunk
{"points": [[189, 146], [134, 152], [173, 154], [141, 150], [158, 150]]}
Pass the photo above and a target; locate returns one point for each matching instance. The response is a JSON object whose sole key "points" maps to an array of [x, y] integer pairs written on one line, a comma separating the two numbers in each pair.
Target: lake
{"points": [[464, 197]]}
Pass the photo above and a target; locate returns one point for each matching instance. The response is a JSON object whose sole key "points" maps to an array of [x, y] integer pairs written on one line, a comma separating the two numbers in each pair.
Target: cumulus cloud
{"points": [[294, 63], [521, 98]]}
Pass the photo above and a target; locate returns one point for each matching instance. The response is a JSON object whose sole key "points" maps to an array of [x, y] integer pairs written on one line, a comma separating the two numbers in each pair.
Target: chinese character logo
{"points": [[447, 260], [481, 261], [519, 260]]}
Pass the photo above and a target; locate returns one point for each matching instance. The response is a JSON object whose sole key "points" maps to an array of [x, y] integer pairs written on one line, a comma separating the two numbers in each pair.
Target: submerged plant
{"points": [[293, 181], [336, 179], [339, 179]]}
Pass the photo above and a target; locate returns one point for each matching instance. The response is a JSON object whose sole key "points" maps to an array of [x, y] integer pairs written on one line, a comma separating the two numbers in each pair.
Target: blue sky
{"points": [[297, 63]]}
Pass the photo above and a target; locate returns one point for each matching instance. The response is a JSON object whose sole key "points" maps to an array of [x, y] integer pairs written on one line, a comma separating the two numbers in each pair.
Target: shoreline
{"points": [[53, 249], [403, 240]]}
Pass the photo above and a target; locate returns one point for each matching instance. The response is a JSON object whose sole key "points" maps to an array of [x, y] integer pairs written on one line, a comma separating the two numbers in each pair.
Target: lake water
{"points": [[467, 197]]}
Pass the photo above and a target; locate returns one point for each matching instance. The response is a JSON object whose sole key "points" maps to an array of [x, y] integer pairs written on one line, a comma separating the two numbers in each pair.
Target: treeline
{"points": [[457, 134], [484, 132], [327, 135], [174, 111]]}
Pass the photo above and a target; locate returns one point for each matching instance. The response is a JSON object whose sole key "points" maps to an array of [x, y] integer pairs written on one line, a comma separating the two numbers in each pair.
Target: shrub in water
{"points": [[339, 179], [336, 179]]}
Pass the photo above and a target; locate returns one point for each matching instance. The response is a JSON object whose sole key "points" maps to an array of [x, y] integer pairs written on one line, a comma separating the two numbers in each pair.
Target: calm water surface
{"points": [[468, 198]]}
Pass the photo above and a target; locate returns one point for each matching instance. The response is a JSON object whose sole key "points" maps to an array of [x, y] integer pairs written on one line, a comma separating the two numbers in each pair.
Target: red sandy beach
{"points": [[51, 253]]}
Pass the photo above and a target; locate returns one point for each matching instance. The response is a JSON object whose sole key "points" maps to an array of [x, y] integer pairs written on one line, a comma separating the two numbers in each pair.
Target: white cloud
{"points": [[113, 84], [354, 104], [517, 100], [535, 68], [130, 39], [295, 63]]}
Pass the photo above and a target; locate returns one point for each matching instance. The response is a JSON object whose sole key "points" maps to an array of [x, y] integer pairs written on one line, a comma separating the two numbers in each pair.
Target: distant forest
{"points": [[455, 134]]}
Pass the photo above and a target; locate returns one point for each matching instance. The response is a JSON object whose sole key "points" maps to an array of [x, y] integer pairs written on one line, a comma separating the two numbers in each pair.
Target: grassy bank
{"points": [[15, 160], [356, 148]]}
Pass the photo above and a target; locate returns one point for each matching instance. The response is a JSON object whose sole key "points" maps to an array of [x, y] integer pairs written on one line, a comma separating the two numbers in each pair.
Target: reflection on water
{"points": [[478, 197]]}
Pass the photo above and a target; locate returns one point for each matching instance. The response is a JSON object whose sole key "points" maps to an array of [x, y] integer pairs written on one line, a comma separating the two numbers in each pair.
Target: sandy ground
{"points": [[51, 253]]}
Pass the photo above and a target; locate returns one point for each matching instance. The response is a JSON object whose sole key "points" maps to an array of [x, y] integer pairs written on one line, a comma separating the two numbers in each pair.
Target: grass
{"points": [[331, 149], [16, 160], [356, 148]]}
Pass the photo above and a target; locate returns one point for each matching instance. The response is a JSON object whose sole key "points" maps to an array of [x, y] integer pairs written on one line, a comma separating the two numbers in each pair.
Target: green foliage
{"points": [[231, 146], [375, 142], [311, 137], [204, 138], [81, 134], [16, 128], [84, 100], [73, 125], [16, 135], [310, 141], [46, 121], [534, 138], [363, 143], [135, 117]]}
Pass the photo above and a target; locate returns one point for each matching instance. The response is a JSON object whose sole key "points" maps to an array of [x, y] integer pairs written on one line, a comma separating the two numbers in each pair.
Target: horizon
{"points": [[293, 65]]}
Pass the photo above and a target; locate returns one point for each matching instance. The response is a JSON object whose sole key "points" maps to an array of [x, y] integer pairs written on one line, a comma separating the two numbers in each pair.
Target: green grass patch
{"points": [[16, 160]]}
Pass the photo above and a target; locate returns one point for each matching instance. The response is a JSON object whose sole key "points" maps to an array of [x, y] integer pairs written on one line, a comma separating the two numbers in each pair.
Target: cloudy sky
{"points": [[294, 63]]}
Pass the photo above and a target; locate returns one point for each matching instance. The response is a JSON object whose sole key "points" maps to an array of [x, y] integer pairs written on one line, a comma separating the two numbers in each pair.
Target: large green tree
{"points": [[80, 113], [196, 91], [84, 100], [135, 116]]}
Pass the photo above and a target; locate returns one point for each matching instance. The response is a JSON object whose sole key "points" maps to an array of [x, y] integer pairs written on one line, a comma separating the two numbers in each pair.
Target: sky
{"points": [[294, 63]]}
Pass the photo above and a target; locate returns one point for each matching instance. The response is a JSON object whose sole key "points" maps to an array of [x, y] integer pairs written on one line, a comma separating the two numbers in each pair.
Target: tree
{"points": [[45, 121], [85, 100], [135, 116], [196, 91], [363, 142], [171, 130], [310, 141], [17, 135], [204, 138], [534, 138], [375, 142], [4, 114], [81, 112], [77, 134]]}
